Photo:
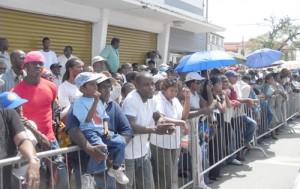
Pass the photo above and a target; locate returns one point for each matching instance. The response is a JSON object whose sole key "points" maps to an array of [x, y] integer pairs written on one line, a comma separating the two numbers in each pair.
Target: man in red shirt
{"points": [[40, 94]]}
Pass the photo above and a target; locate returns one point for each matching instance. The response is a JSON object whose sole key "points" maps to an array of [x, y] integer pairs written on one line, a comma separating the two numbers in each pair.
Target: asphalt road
{"points": [[278, 171]]}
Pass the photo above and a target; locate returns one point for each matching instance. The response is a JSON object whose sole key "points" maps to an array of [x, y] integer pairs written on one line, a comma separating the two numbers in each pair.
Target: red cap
{"points": [[232, 68], [33, 56]]}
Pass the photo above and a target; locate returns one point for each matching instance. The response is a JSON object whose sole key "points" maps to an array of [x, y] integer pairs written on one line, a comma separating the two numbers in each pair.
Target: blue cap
{"points": [[85, 77], [11, 100], [231, 73]]}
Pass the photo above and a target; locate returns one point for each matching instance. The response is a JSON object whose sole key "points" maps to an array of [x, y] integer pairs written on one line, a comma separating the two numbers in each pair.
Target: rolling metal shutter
{"points": [[134, 44], [25, 31]]}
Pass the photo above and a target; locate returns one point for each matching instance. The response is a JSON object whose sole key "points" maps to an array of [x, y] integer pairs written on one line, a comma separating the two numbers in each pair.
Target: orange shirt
{"points": [[39, 105]]}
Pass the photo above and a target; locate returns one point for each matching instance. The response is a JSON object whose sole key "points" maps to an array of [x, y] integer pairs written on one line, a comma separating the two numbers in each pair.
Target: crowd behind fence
{"points": [[208, 146]]}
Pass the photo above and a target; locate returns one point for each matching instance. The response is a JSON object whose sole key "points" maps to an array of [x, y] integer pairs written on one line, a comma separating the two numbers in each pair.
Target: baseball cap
{"points": [[193, 76], [11, 100], [55, 66], [232, 68], [33, 56], [85, 77], [102, 77], [97, 59], [231, 73]]}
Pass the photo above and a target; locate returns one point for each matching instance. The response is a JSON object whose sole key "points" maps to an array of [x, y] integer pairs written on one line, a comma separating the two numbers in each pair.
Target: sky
{"points": [[244, 19]]}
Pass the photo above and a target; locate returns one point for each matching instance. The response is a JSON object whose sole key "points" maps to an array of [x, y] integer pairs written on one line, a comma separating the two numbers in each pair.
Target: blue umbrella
{"points": [[262, 58], [205, 60]]}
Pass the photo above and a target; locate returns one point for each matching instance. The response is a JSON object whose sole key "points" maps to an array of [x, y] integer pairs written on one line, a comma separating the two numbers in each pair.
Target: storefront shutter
{"points": [[134, 44], [25, 31]]}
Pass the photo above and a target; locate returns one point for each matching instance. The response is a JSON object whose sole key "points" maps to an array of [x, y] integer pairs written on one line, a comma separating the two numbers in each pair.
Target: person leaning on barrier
{"points": [[140, 109], [242, 90], [165, 148], [13, 137], [118, 123], [39, 107]]}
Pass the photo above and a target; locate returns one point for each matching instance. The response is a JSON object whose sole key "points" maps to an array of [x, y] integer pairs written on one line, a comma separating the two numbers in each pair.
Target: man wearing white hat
{"points": [[99, 63]]}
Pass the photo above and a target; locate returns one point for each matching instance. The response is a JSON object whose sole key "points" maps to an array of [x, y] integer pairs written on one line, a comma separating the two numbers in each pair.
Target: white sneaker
{"points": [[203, 186], [87, 181], [118, 175], [236, 162]]}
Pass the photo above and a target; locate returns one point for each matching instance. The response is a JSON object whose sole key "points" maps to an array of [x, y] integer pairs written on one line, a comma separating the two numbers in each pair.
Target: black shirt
{"points": [[10, 125]]}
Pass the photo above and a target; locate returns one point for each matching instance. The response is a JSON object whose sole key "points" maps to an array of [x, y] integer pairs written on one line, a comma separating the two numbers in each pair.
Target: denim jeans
{"points": [[139, 172], [115, 148], [251, 126], [62, 174]]}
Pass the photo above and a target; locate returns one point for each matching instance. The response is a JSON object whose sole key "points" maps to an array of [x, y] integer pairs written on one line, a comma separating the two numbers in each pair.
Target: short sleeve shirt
{"points": [[81, 108], [171, 110], [67, 94], [134, 106], [9, 127], [39, 105]]}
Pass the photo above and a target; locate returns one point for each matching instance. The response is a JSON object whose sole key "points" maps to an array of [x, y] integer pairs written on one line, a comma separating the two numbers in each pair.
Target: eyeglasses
{"points": [[198, 82]]}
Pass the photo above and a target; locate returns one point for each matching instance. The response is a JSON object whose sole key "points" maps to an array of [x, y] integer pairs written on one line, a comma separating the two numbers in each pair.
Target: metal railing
{"points": [[211, 143]]}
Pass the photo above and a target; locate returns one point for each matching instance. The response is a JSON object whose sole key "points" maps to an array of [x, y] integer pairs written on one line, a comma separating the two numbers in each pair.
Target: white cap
{"points": [[102, 77], [159, 77], [97, 59], [193, 76]]}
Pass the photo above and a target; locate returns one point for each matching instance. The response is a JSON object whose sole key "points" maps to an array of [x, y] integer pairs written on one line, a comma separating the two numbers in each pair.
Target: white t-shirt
{"points": [[195, 101], [50, 58], [62, 60], [67, 93], [229, 111], [171, 110], [143, 112], [242, 92]]}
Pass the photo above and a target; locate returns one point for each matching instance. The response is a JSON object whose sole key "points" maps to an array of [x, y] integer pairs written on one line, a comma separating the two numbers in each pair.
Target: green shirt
{"points": [[112, 56]]}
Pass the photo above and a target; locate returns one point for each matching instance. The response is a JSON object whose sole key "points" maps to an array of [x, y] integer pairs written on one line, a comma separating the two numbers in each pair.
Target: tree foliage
{"points": [[282, 33]]}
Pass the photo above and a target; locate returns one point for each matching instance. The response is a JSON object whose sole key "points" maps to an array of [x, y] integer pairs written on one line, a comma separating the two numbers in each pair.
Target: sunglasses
{"points": [[198, 82]]}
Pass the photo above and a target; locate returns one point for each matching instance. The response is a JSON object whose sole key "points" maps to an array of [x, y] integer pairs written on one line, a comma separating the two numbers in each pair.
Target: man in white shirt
{"points": [[140, 109], [62, 59], [125, 68], [50, 56], [4, 56]]}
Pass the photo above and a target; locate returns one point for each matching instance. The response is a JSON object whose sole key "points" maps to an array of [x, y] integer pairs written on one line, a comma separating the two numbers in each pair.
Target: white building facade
{"points": [[89, 25]]}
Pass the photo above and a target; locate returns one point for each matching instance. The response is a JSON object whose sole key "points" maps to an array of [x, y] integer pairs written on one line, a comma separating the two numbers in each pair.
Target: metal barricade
{"points": [[212, 142]]}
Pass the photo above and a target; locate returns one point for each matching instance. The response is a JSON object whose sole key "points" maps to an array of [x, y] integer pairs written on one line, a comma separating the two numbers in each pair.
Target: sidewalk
{"points": [[278, 171]]}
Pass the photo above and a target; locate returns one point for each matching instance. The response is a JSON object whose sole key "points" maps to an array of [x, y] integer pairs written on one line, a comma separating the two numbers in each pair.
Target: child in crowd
{"points": [[93, 119]]}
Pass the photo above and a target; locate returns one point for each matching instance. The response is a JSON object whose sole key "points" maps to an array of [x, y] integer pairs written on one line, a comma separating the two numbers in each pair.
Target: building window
{"points": [[213, 40], [217, 42]]}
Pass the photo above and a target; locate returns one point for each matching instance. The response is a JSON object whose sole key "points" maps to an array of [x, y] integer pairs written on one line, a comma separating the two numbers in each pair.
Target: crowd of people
{"points": [[130, 120]]}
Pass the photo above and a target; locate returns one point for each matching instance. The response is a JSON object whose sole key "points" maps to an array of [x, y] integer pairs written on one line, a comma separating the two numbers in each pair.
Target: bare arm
{"points": [[93, 151], [28, 151], [93, 109], [142, 129], [187, 104]]}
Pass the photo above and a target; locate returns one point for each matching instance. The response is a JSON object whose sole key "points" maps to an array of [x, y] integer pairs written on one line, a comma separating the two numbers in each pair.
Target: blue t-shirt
{"points": [[81, 109]]}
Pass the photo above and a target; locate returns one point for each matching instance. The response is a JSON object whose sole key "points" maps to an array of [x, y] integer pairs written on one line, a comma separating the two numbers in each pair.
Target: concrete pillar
{"points": [[163, 43], [99, 33]]}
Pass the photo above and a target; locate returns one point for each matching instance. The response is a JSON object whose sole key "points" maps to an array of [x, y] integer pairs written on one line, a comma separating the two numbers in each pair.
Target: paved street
{"points": [[278, 171]]}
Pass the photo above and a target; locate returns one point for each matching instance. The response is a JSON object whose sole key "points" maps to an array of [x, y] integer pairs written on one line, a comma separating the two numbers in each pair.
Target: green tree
{"points": [[283, 33]]}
